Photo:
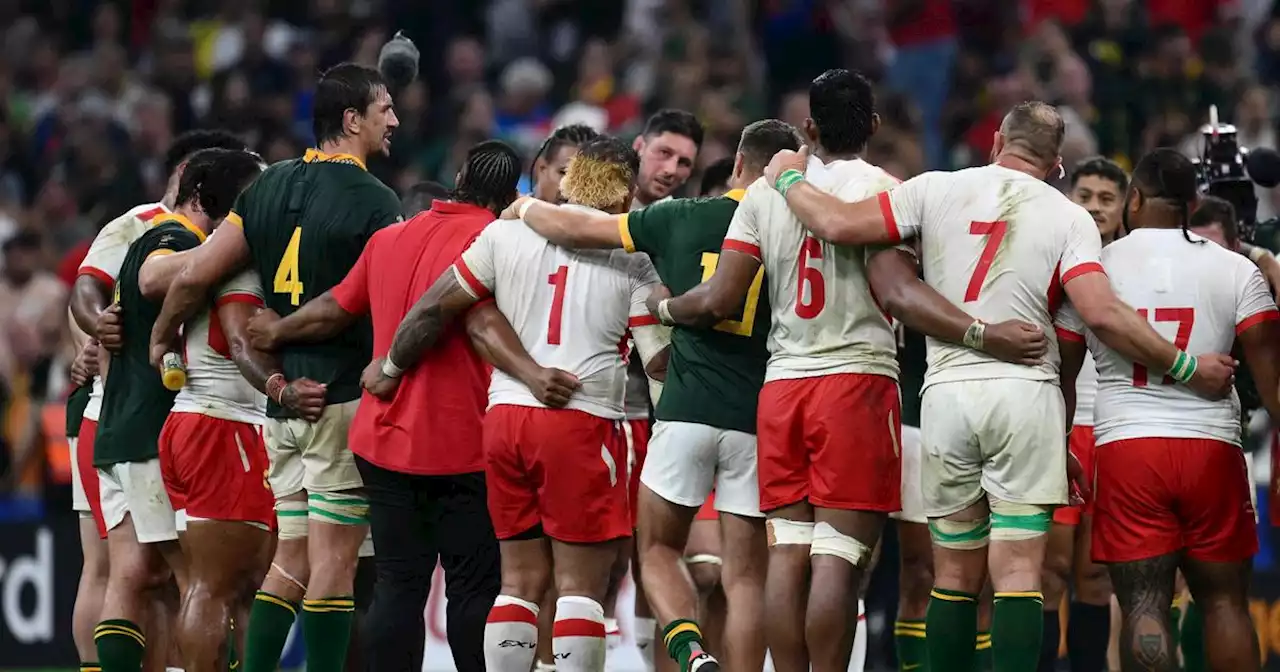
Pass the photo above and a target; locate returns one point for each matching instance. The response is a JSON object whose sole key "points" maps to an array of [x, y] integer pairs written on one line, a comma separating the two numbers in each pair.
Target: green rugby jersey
{"points": [[306, 221], [715, 375], [77, 401], [135, 402]]}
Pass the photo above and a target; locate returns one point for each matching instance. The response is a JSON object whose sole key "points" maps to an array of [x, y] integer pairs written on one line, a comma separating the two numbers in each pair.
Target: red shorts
{"points": [[564, 469], [1080, 443], [708, 510], [89, 473], [639, 431], [831, 439], [1158, 496], [216, 469]]}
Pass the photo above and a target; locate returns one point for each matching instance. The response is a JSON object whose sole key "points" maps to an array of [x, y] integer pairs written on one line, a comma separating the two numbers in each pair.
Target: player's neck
{"points": [[1014, 162], [827, 156], [348, 146], [197, 218]]}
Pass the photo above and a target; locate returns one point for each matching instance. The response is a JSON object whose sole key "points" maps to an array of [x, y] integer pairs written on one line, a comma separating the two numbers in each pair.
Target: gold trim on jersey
{"points": [[234, 217], [624, 232], [314, 155], [186, 223], [736, 194]]}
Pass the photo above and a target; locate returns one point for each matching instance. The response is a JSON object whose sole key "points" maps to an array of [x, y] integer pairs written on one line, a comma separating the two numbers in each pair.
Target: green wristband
{"points": [[1184, 367], [788, 179]]}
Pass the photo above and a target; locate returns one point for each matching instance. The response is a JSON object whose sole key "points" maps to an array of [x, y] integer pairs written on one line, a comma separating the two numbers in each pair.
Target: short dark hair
{"points": [[602, 174], [215, 177], [488, 176], [25, 239], [346, 86], [572, 134], [842, 105], [762, 139], [193, 141], [678, 122], [1215, 210], [716, 175], [419, 197], [1037, 129], [1165, 174], [1101, 167]]}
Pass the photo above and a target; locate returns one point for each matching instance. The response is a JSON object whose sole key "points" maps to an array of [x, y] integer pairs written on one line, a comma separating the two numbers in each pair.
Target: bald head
{"points": [[1033, 130]]}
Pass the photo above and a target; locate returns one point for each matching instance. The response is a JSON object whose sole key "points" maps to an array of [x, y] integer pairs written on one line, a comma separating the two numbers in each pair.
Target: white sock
{"points": [[644, 628], [511, 635], [578, 636], [858, 660], [612, 632]]}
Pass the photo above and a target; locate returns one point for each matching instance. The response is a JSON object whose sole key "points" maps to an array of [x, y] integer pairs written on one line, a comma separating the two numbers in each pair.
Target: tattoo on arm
{"points": [[1145, 591], [427, 320]]}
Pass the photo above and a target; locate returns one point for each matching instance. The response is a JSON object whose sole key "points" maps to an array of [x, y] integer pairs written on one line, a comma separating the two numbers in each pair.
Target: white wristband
{"points": [[664, 312], [389, 368], [973, 336], [524, 207], [1258, 253]]}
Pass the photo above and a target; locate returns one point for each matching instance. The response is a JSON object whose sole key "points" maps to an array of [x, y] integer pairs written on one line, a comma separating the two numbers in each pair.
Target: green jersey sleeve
{"points": [[648, 229], [384, 206]]}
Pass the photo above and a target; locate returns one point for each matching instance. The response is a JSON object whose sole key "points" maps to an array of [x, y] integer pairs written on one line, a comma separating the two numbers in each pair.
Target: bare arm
{"points": [[158, 271], [574, 229], [88, 299], [430, 315], [1261, 343], [900, 290], [721, 296], [833, 220], [224, 253], [495, 341], [320, 319], [1073, 351], [656, 368], [255, 365], [1117, 324]]}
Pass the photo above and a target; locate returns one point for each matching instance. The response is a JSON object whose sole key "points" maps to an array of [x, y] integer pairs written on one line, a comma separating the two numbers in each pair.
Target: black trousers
{"points": [[417, 520]]}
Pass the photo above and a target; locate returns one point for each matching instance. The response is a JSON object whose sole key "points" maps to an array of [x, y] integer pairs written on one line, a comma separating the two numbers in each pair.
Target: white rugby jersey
{"points": [[103, 261], [570, 308], [825, 319], [1086, 392], [214, 385], [1197, 295], [999, 244]]}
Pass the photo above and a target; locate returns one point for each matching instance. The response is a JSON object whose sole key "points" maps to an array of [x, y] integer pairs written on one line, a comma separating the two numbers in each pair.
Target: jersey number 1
{"points": [[1186, 319], [287, 280], [994, 231]]}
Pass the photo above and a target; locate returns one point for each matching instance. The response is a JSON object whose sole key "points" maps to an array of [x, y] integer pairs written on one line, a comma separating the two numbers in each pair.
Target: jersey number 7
{"points": [[1186, 319], [288, 280], [994, 231]]}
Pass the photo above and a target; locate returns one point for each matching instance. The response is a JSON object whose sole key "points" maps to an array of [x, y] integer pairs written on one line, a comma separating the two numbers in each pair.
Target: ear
{"points": [[875, 123], [739, 165], [811, 131], [638, 144], [351, 121]]}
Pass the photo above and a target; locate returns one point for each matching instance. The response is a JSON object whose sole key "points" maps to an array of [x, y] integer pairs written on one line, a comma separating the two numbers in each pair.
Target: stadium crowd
{"points": [[97, 100]]}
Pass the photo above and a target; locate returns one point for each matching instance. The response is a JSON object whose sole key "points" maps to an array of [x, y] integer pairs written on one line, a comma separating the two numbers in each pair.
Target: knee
{"points": [[705, 572], [530, 584], [1055, 574], [1093, 584], [916, 578]]}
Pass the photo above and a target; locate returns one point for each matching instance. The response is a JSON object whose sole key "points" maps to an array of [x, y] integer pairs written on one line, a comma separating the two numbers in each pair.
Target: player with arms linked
{"points": [[301, 227]]}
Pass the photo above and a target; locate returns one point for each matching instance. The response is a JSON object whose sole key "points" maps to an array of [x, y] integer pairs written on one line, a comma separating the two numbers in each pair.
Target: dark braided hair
{"points": [[215, 177], [1165, 174], [564, 136], [843, 106], [488, 176]]}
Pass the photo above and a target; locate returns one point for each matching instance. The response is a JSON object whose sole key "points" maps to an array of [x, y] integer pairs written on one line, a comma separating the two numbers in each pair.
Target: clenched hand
{"points": [[1015, 341]]}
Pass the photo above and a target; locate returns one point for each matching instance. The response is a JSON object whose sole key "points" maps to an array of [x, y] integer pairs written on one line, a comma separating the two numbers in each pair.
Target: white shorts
{"points": [[1002, 437], [686, 460], [137, 489], [912, 497], [312, 456], [79, 500]]}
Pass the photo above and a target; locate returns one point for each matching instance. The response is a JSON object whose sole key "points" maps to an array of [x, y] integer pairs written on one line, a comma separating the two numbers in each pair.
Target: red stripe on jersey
{"points": [[642, 321], [1257, 318], [100, 275], [1068, 335], [1082, 269], [577, 627], [512, 613], [237, 297], [472, 281], [743, 247], [151, 214], [890, 223], [217, 337], [1054, 295]]}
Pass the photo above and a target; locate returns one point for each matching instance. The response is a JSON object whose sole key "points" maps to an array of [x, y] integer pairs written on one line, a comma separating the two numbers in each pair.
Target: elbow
{"points": [[1104, 319], [150, 286]]}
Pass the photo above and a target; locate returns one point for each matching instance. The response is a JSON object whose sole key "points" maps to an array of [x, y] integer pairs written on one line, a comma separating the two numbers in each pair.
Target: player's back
{"points": [[214, 384], [825, 319], [571, 310], [1197, 295], [993, 242], [306, 221]]}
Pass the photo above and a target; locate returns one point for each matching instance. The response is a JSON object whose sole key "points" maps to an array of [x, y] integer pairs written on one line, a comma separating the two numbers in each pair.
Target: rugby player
{"points": [[139, 516], [705, 435], [1098, 185], [1013, 246], [828, 418], [1172, 487], [90, 295], [553, 474], [93, 571], [420, 454], [301, 226]]}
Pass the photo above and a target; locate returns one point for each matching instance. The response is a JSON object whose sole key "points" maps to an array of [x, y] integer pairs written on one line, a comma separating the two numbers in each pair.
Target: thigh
{"points": [[219, 467], [512, 488], [853, 425], [681, 463], [399, 524], [1218, 522], [783, 461], [329, 466], [285, 475], [147, 501], [737, 480], [89, 473], [636, 432], [582, 497], [1021, 427], [912, 497], [1133, 515], [951, 462], [468, 546], [113, 503]]}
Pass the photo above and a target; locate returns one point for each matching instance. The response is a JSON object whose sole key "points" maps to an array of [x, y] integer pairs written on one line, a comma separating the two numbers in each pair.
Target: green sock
{"points": [[952, 624], [1193, 654], [682, 637], [270, 620], [121, 645], [326, 627], [909, 637], [90, 667], [1017, 626], [982, 656]]}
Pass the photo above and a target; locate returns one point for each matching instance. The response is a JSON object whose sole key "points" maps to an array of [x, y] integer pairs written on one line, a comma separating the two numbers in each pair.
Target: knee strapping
{"points": [[782, 531], [961, 535], [291, 516], [1016, 522], [827, 540], [703, 559], [338, 509]]}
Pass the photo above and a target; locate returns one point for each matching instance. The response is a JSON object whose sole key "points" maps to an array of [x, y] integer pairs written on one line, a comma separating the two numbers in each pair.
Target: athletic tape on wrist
{"points": [[1184, 367], [389, 368], [664, 312], [524, 207], [974, 335], [1257, 253], [788, 179]]}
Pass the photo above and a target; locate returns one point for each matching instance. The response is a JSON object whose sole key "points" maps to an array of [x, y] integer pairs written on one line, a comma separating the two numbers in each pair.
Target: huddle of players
{"points": [[827, 422]]}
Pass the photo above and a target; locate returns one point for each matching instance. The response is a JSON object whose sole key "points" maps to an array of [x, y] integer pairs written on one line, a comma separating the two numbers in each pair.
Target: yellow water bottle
{"points": [[173, 371]]}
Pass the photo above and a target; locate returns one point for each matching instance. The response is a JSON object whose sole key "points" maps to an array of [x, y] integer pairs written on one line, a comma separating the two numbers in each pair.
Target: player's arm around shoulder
{"points": [[570, 227], [225, 253]]}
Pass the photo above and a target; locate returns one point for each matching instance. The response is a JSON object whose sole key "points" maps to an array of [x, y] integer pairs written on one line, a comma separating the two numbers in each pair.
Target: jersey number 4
{"points": [[994, 231], [288, 280], [1186, 319], [744, 326]]}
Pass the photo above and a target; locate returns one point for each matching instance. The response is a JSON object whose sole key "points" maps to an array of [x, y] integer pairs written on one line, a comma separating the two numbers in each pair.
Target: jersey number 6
{"points": [[1186, 319], [744, 326], [288, 280], [811, 277]]}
